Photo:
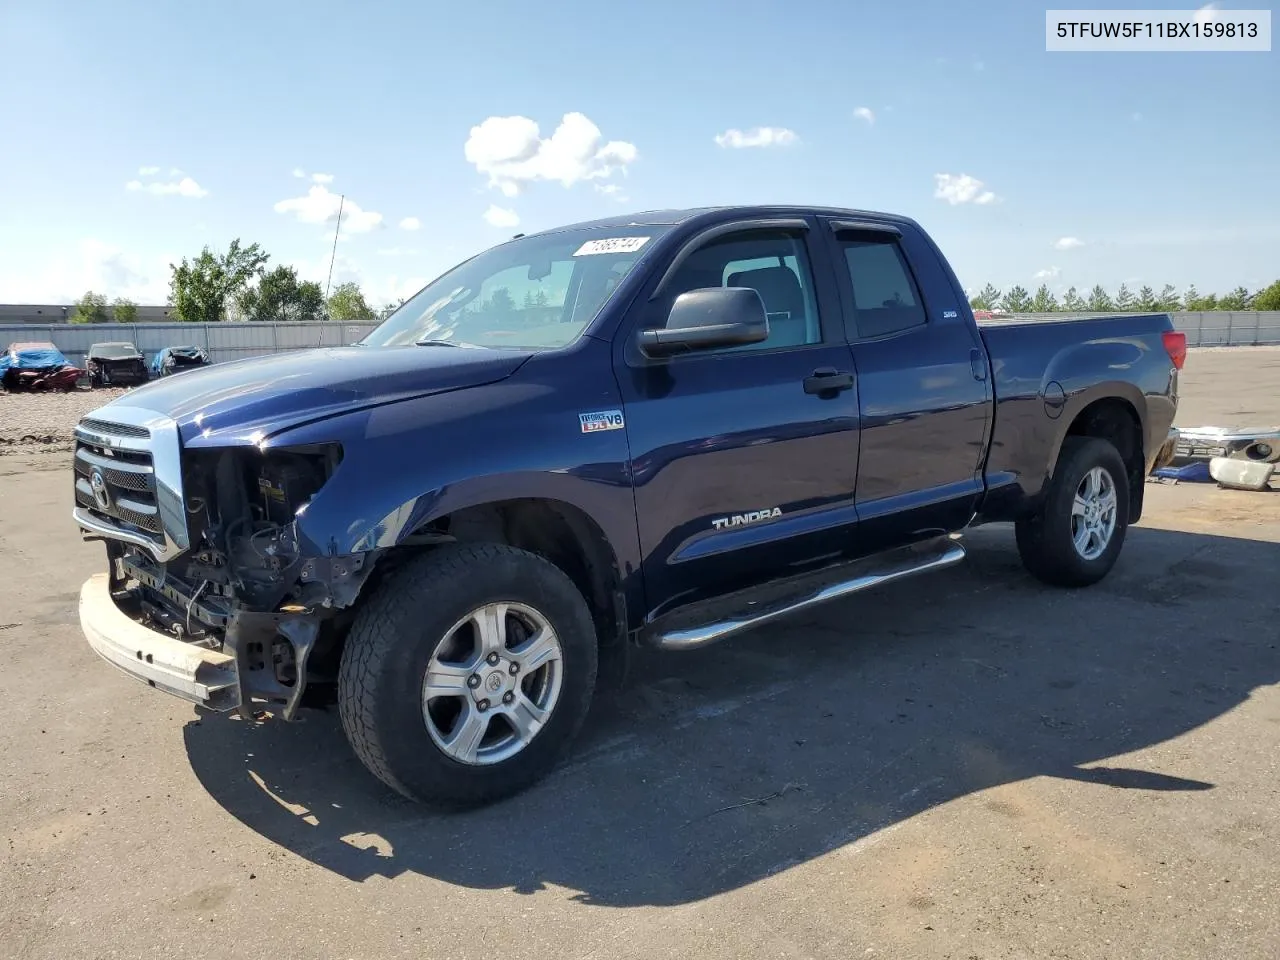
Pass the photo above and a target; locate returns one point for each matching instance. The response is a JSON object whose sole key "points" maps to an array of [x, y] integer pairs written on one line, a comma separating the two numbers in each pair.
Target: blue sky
{"points": [[137, 133]]}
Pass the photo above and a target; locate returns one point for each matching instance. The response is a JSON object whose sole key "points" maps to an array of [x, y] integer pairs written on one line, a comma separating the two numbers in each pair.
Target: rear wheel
{"points": [[468, 674], [1075, 538]]}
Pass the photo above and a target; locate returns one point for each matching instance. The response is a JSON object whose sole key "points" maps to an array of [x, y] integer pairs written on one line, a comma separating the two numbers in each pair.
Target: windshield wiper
{"points": [[445, 343]]}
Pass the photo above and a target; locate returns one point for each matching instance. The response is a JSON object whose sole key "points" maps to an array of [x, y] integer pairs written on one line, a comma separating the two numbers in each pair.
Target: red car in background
{"points": [[37, 366]]}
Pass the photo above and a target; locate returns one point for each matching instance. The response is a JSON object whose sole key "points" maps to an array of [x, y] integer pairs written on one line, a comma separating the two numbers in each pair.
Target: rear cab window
{"points": [[886, 299]]}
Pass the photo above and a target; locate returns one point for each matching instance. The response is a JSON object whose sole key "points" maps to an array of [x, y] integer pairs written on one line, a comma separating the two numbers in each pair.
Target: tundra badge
{"points": [[739, 519]]}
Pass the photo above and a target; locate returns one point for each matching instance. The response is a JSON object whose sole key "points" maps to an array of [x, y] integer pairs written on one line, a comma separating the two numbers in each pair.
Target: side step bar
{"points": [[701, 624]]}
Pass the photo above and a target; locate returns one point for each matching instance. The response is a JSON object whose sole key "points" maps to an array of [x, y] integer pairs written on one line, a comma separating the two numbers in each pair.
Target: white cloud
{"points": [[497, 216], [865, 113], [613, 191], [961, 188], [1207, 14], [512, 153], [320, 205], [174, 172], [186, 187], [300, 173], [410, 223], [1048, 273], [97, 266], [148, 171], [322, 178], [757, 137], [1067, 243]]}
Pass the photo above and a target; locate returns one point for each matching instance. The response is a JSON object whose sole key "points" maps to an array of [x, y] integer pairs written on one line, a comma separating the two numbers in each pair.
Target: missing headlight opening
{"points": [[245, 586]]}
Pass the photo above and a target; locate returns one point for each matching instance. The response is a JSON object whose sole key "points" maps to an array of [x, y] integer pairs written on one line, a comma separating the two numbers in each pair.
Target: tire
{"points": [[1045, 539], [409, 619]]}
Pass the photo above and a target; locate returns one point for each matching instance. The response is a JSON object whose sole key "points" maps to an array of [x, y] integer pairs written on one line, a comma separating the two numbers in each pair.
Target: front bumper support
{"points": [[194, 673]]}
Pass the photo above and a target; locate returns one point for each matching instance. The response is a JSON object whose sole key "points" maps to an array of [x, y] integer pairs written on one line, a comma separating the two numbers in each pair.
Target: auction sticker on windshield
{"points": [[611, 245]]}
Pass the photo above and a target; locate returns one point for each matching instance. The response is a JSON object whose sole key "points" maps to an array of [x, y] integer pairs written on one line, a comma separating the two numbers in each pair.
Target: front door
{"points": [[744, 466]]}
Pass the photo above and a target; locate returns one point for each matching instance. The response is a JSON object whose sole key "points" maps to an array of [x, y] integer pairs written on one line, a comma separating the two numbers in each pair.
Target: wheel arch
{"points": [[560, 532], [1113, 417]]}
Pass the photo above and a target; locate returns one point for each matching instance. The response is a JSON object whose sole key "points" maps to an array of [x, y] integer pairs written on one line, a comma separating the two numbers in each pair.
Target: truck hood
{"points": [[246, 400]]}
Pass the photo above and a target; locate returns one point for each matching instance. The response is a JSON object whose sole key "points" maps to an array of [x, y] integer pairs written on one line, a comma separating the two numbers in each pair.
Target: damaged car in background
{"points": [[116, 364], [178, 359], [36, 367]]}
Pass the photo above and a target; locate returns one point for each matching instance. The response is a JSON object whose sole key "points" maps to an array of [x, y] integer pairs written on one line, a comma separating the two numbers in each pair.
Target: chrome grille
{"points": [[115, 429], [128, 480], [125, 486]]}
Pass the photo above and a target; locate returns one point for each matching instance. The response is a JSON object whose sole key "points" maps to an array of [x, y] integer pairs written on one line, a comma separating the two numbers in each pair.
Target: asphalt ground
{"points": [[966, 765]]}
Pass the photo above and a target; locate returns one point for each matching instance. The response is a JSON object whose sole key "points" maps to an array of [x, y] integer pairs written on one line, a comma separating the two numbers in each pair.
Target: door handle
{"points": [[828, 381], [977, 364]]}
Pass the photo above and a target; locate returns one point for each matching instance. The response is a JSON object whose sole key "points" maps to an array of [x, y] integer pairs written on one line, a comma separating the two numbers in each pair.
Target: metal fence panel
{"points": [[235, 341], [222, 341]]}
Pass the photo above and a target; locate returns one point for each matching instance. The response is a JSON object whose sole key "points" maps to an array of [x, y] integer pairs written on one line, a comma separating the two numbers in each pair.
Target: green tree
{"points": [[348, 305], [1071, 302], [501, 301], [91, 308], [124, 311], [1124, 299], [1044, 301], [390, 308], [1016, 300], [279, 295], [1268, 298], [1169, 301], [1099, 300], [1146, 302], [1237, 299], [987, 299], [200, 289], [1191, 299]]}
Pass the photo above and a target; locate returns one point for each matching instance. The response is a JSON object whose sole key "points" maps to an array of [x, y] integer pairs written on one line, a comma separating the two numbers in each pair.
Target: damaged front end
{"points": [[211, 596]]}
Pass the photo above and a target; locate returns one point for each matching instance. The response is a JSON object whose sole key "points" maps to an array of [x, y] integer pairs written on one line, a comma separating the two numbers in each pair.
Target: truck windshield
{"points": [[536, 292]]}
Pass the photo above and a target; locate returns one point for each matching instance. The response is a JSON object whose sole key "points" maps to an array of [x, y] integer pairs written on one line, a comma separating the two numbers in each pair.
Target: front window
{"points": [[533, 293]]}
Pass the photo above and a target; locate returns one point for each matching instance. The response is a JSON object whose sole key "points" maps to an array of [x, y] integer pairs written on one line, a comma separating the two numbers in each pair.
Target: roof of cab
{"points": [[673, 217]]}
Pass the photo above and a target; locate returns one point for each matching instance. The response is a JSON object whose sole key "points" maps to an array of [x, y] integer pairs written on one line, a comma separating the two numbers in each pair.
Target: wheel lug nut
{"points": [[492, 658], [482, 706], [508, 698], [515, 668], [473, 681]]}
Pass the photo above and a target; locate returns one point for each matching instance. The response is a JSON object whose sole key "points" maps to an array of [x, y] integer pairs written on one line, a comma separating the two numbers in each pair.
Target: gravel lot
{"points": [[31, 421], [1007, 771]]}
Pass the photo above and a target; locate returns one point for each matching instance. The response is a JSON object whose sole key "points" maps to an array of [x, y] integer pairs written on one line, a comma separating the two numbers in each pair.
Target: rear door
{"points": [[743, 464], [923, 389]]}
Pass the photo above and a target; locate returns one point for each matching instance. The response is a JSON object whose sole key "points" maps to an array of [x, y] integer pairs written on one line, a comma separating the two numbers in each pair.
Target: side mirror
{"points": [[707, 319]]}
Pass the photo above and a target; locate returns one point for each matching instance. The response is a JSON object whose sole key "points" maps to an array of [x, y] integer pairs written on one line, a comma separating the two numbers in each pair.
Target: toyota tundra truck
{"points": [[660, 429]]}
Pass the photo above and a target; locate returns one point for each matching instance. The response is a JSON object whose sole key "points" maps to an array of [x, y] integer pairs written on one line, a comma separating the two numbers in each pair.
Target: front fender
{"points": [[405, 464]]}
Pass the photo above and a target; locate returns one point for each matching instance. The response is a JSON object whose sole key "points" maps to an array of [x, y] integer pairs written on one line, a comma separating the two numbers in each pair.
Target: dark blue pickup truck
{"points": [[657, 429]]}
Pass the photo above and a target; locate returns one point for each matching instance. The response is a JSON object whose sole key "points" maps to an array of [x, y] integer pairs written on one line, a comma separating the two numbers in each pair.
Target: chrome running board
{"points": [[698, 625]]}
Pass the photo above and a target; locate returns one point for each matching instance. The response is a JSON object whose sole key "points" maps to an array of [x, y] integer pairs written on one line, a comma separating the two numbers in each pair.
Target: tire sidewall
{"points": [[1088, 455], [420, 622]]}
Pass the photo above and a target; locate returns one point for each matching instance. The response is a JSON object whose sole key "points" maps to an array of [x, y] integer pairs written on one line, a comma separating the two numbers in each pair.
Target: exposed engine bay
{"points": [[244, 586]]}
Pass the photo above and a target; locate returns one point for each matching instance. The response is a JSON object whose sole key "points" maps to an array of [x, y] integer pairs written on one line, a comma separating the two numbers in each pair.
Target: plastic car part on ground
{"points": [[1241, 474], [1195, 472]]}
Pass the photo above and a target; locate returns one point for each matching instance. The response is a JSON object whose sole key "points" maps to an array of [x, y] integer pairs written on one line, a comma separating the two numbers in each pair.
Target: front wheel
{"points": [[1074, 539], [468, 674]]}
